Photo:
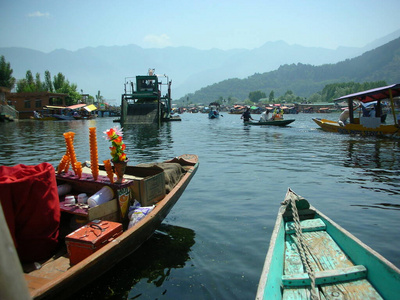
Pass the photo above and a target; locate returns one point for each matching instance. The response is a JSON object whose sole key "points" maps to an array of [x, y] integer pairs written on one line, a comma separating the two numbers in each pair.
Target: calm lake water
{"points": [[213, 243]]}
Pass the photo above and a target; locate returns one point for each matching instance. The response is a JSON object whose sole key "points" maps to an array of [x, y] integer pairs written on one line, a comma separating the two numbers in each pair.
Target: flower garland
{"points": [[118, 146]]}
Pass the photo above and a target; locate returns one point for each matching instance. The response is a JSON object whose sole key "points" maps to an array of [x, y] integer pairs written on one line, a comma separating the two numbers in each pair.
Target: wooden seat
{"points": [[306, 226]]}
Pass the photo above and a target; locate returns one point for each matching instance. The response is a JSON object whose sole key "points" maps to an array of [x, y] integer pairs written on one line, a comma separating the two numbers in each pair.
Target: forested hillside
{"points": [[381, 64]]}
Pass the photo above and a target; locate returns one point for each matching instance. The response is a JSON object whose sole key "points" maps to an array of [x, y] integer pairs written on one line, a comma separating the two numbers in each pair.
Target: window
{"points": [[27, 104], [38, 103]]}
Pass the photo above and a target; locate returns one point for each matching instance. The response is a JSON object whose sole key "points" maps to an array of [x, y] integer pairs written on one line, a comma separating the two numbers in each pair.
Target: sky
{"points": [[47, 25]]}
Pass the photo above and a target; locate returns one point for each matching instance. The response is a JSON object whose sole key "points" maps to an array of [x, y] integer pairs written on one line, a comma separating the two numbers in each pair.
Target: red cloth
{"points": [[30, 202]]}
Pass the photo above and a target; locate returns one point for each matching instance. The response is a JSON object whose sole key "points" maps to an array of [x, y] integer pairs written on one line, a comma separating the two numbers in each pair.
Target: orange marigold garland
{"points": [[108, 167], [64, 164], [94, 159], [69, 141]]}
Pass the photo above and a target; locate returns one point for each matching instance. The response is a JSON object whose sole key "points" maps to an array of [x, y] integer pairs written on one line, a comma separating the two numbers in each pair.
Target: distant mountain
{"points": [[105, 68], [380, 64]]}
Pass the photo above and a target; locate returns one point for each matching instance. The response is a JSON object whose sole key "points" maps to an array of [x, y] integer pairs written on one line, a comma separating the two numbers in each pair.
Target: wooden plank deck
{"points": [[337, 276]]}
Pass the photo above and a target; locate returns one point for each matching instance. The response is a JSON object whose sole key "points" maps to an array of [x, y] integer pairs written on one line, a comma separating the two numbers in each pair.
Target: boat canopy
{"points": [[374, 94], [53, 107], [90, 107], [76, 106]]}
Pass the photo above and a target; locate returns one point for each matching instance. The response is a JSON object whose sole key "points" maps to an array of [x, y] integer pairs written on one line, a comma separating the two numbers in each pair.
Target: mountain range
{"points": [[105, 69]]}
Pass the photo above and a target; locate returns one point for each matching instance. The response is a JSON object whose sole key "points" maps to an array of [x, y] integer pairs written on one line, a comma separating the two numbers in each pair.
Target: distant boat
{"points": [[312, 257], [271, 123], [74, 112], [214, 113], [366, 125]]}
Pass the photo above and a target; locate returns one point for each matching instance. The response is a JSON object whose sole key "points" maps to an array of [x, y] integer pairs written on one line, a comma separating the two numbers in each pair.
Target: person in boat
{"points": [[37, 115], [276, 115], [246, 116], [264, 116], [344, 116]]}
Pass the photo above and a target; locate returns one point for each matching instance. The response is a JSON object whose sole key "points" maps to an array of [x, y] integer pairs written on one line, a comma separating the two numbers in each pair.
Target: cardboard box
{"points": [[89, 238], [149, 184]]}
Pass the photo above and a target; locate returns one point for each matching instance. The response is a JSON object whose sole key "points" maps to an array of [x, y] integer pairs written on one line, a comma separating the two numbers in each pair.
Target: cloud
{"points": [[160, 41], [38, 14]]}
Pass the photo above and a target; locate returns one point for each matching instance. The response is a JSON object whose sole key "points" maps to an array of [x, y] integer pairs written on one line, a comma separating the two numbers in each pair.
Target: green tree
{"points": [[48, 82], [62, 85], [256, 96], [58, 82], [29, 79], [39, 85], [27, 84], [6, 79], [271, 97]]}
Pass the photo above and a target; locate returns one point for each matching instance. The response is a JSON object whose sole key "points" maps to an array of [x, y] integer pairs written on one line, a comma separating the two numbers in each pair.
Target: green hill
{"points": [[380, 64]]}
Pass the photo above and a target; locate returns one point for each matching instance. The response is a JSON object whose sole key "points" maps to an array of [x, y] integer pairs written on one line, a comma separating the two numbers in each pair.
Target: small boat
{"points": [[272, 122], [312, 257], [213, 114], [58, 277], [366, 125]]}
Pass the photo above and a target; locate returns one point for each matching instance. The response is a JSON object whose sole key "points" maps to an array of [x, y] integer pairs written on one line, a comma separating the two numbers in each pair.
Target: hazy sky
{"points": [[47, 25]]}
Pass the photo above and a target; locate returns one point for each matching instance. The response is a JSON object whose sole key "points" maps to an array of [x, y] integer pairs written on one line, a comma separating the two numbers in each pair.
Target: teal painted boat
{"points": [[273, 123], [312, 257]]}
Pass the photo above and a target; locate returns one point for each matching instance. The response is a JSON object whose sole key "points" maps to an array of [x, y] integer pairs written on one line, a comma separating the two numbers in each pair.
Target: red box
{"points": [[89, 238]]}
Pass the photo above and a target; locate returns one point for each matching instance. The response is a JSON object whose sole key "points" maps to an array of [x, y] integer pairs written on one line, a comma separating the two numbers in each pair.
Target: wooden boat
{"points": [[56, 278], [271, 123], [366, 126], [340, 265]]}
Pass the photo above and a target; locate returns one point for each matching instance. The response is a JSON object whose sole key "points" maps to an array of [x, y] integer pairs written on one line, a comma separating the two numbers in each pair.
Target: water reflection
{"points": [[381, 206], [372, 154], [167, 249], [147, 140], [378, 163]]}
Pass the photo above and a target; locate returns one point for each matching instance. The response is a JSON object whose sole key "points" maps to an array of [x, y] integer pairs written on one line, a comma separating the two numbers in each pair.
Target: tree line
{"points": [[57, 84]]}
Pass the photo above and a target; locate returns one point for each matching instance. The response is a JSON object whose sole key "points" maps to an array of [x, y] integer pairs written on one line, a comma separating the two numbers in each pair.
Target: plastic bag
{"points": [[138, 214]]}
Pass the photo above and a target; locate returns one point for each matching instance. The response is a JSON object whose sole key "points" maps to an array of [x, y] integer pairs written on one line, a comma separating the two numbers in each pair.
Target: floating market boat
{"points": [[312, 257], [92, 239], [367, 125], [271, 123]]}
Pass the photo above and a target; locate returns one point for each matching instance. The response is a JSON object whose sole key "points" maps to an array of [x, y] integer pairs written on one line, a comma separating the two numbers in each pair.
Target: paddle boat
{"points": [[366, 125], [312, 257]]}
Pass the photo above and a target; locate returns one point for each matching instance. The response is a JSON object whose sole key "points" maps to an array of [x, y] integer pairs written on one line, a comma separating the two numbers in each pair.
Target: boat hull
{"points": [[342, 264], [271, 123], [333, 126], [74, 278]]}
